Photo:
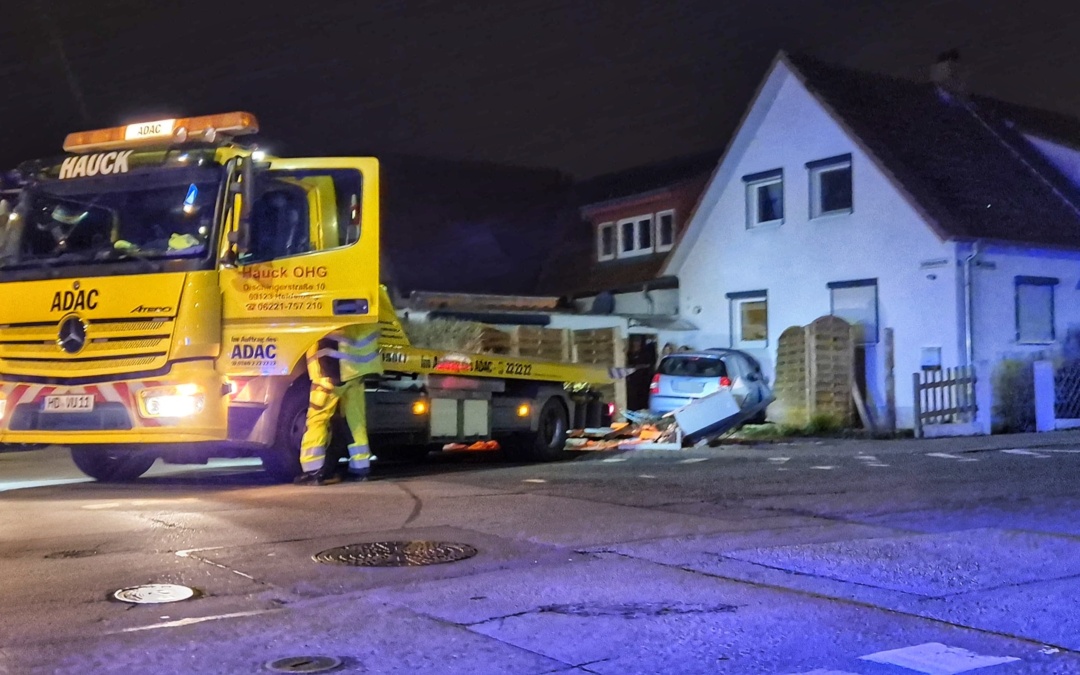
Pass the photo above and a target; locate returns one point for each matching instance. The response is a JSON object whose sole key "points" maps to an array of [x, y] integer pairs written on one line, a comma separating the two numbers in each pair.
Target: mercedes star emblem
{"points": [[72, 335]]}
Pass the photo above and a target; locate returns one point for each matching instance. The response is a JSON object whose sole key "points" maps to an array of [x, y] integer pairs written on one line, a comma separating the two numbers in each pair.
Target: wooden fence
{"points": [[945, 396]]}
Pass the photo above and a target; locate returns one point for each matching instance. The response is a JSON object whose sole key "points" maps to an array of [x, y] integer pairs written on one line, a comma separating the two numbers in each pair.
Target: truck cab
{"points": [[162, 282]]}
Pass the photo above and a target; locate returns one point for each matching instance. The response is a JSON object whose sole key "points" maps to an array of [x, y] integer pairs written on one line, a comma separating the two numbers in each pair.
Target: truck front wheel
{"points": [[548, 442], [107, 465], [282, 459]]}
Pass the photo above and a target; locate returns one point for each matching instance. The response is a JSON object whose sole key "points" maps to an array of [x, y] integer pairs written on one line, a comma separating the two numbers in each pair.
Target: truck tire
{"points": [[282, 459], [548, 442], [107, 465]]}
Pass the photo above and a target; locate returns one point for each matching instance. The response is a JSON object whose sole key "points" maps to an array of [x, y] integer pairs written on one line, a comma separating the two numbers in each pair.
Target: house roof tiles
{"points": [[963, 160]]}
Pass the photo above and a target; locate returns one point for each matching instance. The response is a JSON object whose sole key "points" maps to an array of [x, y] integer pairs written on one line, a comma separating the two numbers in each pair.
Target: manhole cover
{"points": [[152, 594], [59, 555], [395, 554], [304, 664]]}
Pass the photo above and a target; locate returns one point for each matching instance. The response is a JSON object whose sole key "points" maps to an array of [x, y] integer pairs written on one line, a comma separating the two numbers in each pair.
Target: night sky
{"points": [[585, 86]]}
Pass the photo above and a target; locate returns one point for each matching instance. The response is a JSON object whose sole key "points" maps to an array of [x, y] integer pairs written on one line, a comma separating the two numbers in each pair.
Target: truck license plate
{"points": [[68, 403]]}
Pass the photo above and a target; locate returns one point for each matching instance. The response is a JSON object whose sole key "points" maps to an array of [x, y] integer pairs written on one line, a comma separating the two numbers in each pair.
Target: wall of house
{"points": [[994, 294], [661, 302], [883, 238], [680, 198]]}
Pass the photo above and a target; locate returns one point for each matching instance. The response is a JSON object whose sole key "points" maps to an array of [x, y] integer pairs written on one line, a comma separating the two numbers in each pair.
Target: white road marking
{"points": [[823, 468], [934, 658], [200, 619], [779, 460], [943, 455], [1064, 451], [614, 459], [693, 460], [645, 475], [1026, 453], [866, 458], [534, 480], [875, 464], [186, 553]]}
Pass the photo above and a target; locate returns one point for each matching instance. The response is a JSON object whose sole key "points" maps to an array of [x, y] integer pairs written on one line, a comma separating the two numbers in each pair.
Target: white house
{"points": [[952, 219]]}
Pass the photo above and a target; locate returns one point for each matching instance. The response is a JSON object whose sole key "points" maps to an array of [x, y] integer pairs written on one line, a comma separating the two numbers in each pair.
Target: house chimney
{"points": [[948, 74]]}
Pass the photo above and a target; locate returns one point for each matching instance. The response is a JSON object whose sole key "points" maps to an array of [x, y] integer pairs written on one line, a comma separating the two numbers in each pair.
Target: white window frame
{"points": [[755, 183], [861, 284], [638, 224], [815, 170], [735, 305], [1036, 282], [600, 255], [661, 247]]}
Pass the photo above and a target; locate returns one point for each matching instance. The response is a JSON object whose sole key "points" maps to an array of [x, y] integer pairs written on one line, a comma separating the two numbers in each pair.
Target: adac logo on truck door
{"points": [[102, 163], [78, 298]]}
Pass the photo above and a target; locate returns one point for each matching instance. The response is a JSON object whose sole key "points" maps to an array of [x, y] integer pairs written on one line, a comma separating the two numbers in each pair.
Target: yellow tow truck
{"points": [[161, 282]]}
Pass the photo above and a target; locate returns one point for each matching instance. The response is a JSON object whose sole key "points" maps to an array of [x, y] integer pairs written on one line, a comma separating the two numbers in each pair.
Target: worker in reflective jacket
{"points": [[337, 366]]}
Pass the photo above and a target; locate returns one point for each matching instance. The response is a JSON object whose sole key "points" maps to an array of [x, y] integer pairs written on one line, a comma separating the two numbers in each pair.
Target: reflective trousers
{"points": [[323, 402]]}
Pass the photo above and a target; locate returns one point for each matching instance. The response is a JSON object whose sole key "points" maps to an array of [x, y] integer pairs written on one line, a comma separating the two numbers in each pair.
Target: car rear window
{"points": [[693, 366]]}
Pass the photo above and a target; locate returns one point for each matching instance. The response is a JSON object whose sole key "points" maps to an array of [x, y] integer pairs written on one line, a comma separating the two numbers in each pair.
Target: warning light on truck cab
{"points": [[206, 128]]}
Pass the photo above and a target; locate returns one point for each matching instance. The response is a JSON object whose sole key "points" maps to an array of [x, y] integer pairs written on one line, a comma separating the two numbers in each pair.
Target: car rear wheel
{"points": [[110, 465]]}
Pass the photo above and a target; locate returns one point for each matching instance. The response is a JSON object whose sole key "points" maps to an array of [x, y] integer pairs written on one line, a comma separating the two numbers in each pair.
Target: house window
{"points": [[605, 241], [830, 186], [857, 303], [635, 236], [764, 198], [665, 230], [749, 319], [1035, 309]]}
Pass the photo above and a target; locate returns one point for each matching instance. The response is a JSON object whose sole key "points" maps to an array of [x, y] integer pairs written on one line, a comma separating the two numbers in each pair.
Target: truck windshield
{"points": [[143, 215]]}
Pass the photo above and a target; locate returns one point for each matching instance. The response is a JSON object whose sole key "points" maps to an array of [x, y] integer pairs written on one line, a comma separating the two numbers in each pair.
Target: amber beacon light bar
{"points": [[207, 129]]}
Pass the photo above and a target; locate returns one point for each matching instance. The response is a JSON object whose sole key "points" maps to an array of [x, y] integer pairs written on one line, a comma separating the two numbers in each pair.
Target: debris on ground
{"points": [[700, 422]]}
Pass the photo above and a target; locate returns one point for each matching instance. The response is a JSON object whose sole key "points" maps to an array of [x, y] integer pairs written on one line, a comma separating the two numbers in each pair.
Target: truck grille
{"points": [[112, 347]]}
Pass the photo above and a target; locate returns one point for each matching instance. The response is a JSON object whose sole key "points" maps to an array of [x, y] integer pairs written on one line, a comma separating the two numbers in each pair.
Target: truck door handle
{"points": [[350, 306]]}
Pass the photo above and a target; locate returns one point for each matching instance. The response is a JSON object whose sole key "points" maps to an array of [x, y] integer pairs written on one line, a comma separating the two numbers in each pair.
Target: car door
{"points": [[741, 389], [312, 265], [757, 381]]}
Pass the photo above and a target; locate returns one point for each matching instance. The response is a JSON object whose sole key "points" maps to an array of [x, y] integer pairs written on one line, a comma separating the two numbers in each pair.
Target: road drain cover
{"points": [[304, 664], [395, 554], [70, 554], [152, 594]]}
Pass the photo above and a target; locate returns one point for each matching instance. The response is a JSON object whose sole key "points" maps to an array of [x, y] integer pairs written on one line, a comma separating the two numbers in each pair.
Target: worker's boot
{"points": [[325, 476]]}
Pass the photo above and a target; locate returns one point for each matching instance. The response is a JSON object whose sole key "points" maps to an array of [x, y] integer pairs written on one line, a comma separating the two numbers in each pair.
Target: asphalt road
{"points": [[840, 557]]}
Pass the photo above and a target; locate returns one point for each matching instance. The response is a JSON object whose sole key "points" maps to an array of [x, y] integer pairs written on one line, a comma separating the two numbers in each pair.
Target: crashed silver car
{"points": [[687, 376]]}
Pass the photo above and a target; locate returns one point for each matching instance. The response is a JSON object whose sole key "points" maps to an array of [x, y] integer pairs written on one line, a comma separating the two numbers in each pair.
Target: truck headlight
{"points": [[182, 400]]}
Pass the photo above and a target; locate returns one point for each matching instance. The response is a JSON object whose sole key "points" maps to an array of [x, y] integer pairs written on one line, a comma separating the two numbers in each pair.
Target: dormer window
{"points": [[665, 231], [605, 241], [635, 236]]}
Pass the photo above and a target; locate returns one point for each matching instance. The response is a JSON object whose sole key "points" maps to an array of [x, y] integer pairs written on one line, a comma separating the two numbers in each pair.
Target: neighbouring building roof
{"points": [[962, 159], [572, 268], [466, 227]]}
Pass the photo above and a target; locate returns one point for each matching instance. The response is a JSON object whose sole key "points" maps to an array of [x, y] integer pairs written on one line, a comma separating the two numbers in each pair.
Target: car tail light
{"points": [[725, 381], [611, 409], [654, 386]]}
